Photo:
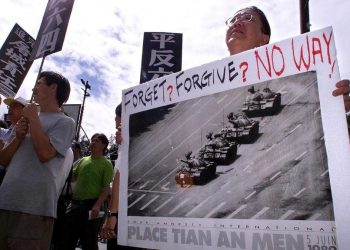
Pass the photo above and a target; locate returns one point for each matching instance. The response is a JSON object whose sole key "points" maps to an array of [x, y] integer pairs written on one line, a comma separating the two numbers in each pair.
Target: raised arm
{"points": [[7, 152], [41, 143]]}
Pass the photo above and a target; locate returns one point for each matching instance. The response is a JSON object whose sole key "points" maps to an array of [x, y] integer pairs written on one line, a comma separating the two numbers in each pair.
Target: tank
{"points": [[240, 128], [219, 149], [262, 103], [195, 170]]}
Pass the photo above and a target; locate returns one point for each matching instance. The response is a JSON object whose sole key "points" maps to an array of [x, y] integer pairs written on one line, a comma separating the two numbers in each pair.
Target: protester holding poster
{"points": [[343, 88], [110, 227], [281, 178], [249, 28]]}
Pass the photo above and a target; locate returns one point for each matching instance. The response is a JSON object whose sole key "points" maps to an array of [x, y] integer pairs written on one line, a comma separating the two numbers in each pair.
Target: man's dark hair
{"points": [[103, 138], [118, 110], [63, 86], [265, 23]]}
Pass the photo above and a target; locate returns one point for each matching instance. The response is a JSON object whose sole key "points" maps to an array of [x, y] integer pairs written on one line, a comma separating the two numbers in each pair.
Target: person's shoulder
{"points": [[81, 161], [105, 159], [56, 115], [64, 119], [107, 162], [86, 158]]}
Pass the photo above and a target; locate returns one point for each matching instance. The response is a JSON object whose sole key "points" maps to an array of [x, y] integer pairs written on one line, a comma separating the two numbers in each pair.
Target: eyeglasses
{"points": [[246, 17]]}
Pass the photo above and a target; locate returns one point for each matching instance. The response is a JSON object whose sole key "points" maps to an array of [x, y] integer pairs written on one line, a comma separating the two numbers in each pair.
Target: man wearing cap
{"points": [[15, 110]]}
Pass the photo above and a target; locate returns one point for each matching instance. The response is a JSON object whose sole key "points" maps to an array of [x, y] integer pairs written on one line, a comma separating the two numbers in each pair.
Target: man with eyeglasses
{"points": [[249, 28], [15, 111]]}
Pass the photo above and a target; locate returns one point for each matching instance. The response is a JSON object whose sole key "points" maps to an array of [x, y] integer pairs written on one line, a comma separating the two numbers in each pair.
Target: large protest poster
{"points": [[279, 177]]}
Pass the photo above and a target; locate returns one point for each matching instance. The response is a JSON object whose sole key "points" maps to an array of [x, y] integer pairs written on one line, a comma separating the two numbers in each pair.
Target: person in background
{"points": [[63, 202], [110, 227], [91, 177], [76, 151], [30, 189], [15, 111], [249, 28]]}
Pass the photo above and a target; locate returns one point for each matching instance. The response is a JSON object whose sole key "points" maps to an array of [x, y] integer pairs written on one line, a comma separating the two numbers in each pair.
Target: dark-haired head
{"points": [[63, 86], [265, 23], [118, 110], [103, 138]]}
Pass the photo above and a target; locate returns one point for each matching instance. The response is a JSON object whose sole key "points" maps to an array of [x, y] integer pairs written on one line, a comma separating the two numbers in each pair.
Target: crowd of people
{"points": [[37, 157]]}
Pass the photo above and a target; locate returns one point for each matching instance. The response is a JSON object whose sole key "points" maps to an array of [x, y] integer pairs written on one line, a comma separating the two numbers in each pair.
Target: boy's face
{"points": [[96, 145], [43, 92]]}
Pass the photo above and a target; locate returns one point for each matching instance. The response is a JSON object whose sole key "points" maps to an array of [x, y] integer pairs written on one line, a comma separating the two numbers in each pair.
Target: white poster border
{"points": [[171, 89]]}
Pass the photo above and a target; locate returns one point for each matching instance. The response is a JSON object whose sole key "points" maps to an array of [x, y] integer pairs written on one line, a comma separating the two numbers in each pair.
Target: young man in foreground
{"points": [[30, 189]]}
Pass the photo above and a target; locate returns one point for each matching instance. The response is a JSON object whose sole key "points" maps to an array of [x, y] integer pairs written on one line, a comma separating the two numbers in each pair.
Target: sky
{"points": [[103, 43]]}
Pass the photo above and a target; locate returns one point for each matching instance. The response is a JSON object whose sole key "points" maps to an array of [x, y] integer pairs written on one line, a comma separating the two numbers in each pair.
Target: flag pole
{"points": [[37, 78]]}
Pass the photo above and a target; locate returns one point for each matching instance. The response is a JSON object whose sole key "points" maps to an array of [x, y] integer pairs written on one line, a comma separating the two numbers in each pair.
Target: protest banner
{"points": [[161, 55], [53, 28], [14, 60], [224, 165]]}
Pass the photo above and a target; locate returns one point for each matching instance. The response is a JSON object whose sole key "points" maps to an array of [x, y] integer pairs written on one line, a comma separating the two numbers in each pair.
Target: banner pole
{"points": [[37, 78]]}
